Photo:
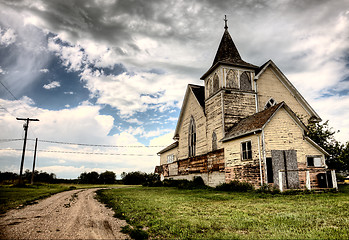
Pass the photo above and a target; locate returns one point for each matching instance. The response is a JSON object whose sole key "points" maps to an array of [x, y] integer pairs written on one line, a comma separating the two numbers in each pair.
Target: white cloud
{"points": [[52, 85], [7, 36], [69, 93], [335, 109], [137, 92], [83, 124], [134, 120], [44, 70]]}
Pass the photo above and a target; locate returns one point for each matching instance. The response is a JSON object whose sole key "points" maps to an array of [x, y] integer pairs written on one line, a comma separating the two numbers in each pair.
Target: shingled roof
{"points": [[257, 121], [228, 54]]}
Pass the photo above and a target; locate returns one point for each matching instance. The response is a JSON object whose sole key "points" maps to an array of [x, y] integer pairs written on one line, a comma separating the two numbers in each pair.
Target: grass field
{"points": [[13, 197], [207, 214]]}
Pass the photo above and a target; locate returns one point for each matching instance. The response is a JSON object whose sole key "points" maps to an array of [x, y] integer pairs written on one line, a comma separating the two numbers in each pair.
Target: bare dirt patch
{"points": [[68, 215]]}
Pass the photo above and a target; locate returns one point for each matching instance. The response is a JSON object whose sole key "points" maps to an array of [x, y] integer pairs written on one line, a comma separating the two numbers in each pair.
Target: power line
{"points": [[10, 140], [9, 91], [83, 144], [85, 153], [2, 107], [93, 145]]}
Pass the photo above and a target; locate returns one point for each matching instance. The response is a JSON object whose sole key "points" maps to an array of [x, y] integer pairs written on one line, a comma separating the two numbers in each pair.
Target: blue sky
{"points": [[115, 72]]}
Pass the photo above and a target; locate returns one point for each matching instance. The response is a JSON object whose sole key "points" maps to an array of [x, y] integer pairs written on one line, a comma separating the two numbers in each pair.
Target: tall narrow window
{"points": [[246, 150], [232, 79], [214, 141], [245, 81], [192, 137], [215, 83]]}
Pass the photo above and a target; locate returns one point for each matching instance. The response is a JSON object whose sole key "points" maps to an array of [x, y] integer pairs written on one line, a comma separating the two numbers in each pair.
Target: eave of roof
{"points": [[169, 147]]}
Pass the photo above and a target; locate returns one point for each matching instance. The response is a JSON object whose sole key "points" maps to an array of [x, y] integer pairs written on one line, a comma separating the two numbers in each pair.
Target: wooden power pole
{"points": [[36, 145], [25, 126]]}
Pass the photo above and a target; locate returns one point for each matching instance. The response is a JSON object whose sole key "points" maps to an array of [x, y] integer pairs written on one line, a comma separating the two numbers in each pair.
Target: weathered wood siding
{"points": [[163, 156], [192, 109], [238, 169], [237, 105], [214, 118], [269, 86], [283, 133]]}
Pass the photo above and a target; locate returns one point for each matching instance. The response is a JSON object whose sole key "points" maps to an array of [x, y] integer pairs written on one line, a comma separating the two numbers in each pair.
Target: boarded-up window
{"points": [[232, 79], [214, 141], [246, 150], [215, 83], [192, 138], [286, 161], [245, 81]]}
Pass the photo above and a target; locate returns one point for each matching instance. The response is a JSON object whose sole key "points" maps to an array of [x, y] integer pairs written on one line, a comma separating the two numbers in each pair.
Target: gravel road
{"points": [[67, 215]]}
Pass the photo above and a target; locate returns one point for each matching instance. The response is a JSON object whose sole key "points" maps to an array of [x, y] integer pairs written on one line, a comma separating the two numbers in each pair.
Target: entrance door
{"points": [[285, 160]]}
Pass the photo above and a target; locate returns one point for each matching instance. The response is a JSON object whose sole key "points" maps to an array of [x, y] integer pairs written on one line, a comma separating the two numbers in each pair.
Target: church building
{"points": [[245, 123]]}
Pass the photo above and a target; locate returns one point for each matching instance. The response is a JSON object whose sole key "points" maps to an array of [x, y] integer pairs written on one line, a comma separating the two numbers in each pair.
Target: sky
{"points": [[111, 75]]}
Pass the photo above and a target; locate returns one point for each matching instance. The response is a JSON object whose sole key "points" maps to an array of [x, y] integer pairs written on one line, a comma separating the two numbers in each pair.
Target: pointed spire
{"points": [[226, 22], [227, 51]]}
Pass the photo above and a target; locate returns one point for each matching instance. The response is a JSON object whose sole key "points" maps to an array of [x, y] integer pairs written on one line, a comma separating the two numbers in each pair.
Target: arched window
{"points": [[209, 86], [271, 102], [214, 141], [245, 81], [232, 79], [192, 138], [215, 83]]}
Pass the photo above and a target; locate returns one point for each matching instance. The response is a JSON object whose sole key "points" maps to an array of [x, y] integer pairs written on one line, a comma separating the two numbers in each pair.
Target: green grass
{"points": [[207, 214], [13, 197]]}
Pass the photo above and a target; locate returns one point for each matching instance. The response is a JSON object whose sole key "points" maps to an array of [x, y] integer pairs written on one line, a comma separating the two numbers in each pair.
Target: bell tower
{"points": [[229, 90]]}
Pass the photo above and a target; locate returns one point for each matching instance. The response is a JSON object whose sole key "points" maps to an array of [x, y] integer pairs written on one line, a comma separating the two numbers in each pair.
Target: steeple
{"points": [[227, 51], [228, 54]]}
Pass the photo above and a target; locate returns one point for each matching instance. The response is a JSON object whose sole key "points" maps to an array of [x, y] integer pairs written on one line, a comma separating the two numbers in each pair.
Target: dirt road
{"points": [[66, 215]]}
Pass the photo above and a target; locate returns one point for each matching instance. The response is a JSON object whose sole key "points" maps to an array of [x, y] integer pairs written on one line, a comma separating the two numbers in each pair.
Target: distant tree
{"points": [[108, 177], [89, 178], [323, 135], [134, 178], [8, 176]]}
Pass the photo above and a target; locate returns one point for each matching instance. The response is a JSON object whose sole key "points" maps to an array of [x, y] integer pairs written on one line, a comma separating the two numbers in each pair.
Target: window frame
{"points": [[192, 138], [246, 154], [271, 103], [314, 165], [170, 158]]}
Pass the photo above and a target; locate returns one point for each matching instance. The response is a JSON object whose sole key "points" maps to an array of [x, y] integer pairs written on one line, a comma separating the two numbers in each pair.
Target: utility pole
{"points": [[25, 126], [36, 145]]}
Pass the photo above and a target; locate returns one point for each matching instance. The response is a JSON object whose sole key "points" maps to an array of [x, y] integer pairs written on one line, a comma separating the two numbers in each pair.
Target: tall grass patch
{"points": [[209, 214]]}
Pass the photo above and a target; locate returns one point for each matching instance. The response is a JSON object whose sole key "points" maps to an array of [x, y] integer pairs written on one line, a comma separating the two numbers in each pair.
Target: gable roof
{"points": [[199, 94], [258, 121], [289, 86], [169, 147], [227, 54]]}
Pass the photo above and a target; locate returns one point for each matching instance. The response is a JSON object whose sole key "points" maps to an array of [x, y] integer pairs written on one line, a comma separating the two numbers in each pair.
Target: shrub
{"points": [[265, 188], [235, 186]]}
